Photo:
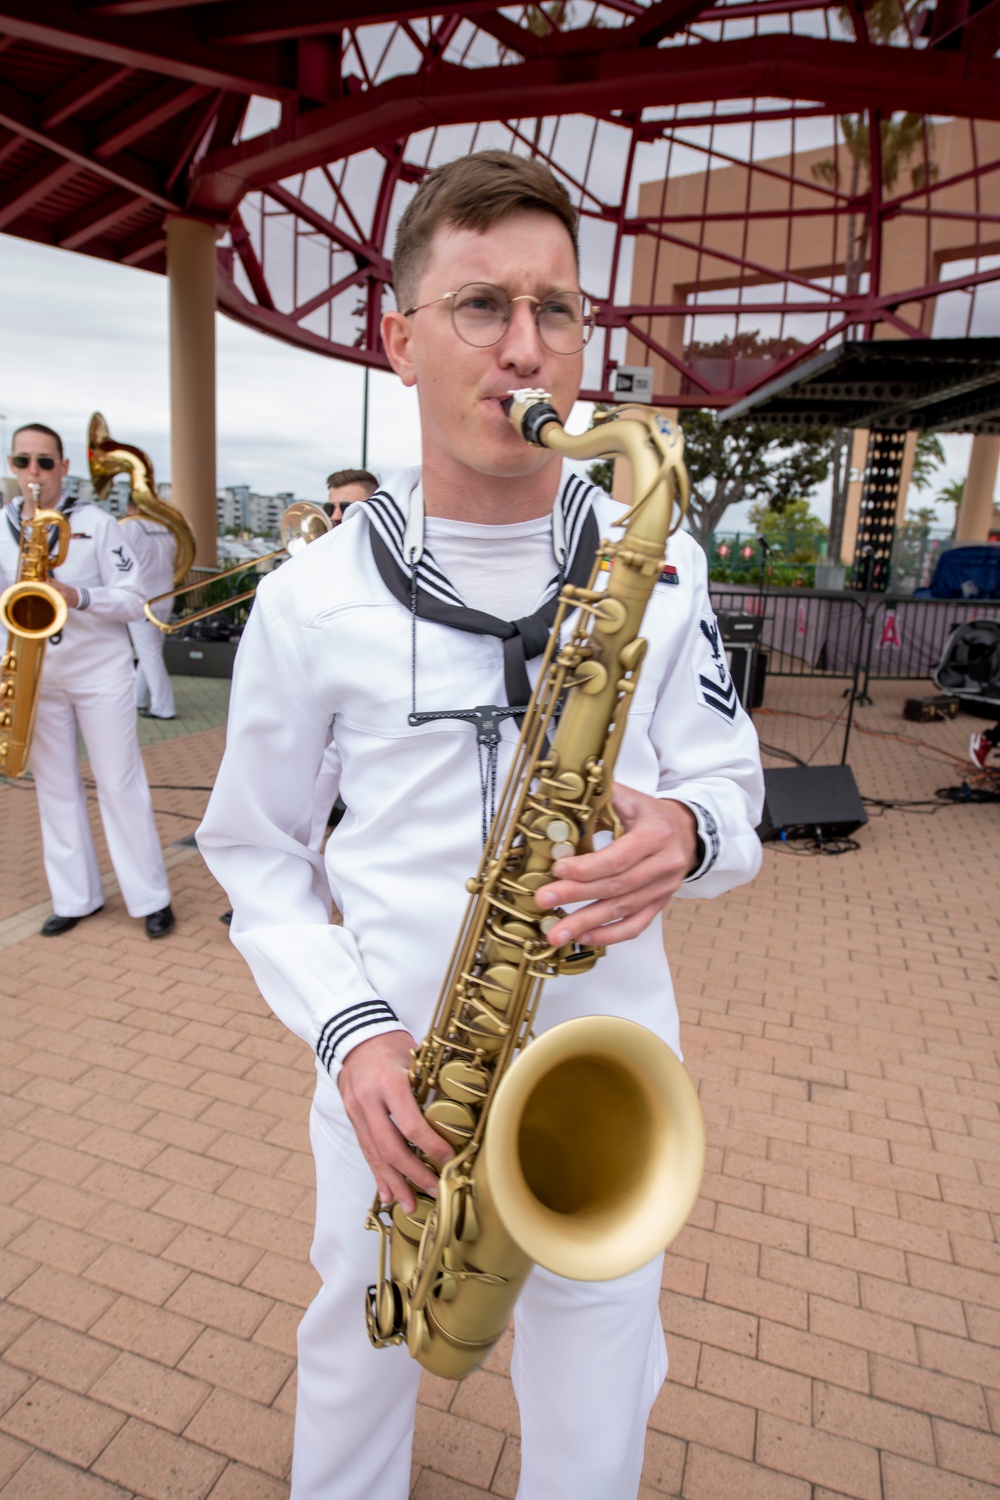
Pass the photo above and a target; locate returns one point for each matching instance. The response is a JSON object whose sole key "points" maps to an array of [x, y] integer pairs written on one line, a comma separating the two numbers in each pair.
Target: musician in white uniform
{"points": [[389, 631], [155, 549], [87, 686]]}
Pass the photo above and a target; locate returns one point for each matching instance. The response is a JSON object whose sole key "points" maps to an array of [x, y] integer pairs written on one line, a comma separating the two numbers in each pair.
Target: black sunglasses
{"points": [[22, 460]]}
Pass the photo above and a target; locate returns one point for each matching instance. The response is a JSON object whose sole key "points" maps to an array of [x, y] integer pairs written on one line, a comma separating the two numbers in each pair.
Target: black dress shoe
{"points": [[54, 925], [159, 923], [147, 713]]}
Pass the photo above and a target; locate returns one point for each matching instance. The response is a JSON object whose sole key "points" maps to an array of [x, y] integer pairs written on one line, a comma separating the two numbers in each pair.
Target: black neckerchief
{"points": [[423, 589]]}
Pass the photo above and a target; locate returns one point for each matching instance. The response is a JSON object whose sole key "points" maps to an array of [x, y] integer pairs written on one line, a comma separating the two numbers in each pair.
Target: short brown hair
{"points": [[473, 192], [38, 427], [351, 476]]}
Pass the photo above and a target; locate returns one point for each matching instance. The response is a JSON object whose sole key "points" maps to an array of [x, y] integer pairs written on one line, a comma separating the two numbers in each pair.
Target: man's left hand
{"points": [[69, 593], [628, 883]]}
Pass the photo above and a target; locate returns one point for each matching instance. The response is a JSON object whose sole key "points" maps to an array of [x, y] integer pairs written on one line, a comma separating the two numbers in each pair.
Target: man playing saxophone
{"points": [[86, 686], [411, 635]]}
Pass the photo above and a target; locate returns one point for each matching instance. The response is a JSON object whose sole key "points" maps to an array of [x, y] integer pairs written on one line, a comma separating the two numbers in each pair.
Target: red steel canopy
{"points": [[302, 128]]}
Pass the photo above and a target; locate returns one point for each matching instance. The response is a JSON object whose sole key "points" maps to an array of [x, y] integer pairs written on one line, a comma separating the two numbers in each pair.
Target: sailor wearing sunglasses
{"points": [[87, 685]]}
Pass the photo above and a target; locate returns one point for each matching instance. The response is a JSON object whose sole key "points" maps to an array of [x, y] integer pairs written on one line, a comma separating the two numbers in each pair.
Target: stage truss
{"points": [[719, 138]]}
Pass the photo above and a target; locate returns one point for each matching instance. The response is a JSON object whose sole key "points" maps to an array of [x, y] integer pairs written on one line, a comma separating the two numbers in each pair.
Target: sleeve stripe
{"points": [[346, 1022], [709, 830]]}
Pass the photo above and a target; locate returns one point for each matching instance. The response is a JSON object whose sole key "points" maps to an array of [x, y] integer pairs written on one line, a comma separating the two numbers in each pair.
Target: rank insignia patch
{"points": [[715, 686]]}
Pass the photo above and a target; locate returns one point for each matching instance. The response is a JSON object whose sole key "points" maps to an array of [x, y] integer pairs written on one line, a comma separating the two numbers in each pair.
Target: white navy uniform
{"points": [[328, 644], [87, 684], [155, 550]]}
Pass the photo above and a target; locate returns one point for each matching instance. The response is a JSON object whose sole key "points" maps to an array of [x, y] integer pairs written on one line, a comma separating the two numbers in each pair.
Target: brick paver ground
{"points": [[832, 1309]]}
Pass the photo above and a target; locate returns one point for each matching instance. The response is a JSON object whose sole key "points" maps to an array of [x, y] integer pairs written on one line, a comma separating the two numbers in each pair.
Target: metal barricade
{"points": [[805, 632], [907, 637], [808, 633]]}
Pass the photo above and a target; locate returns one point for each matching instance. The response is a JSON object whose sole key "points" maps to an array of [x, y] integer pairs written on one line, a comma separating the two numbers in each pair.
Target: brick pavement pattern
{"points": [[832, 1308]]}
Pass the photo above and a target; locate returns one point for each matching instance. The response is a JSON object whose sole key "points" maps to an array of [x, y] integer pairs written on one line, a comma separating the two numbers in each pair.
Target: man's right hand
{"points": [[375, 1087]]}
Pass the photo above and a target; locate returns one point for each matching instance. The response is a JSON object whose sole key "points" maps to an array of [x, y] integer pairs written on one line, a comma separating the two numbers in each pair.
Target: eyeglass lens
{"points": [[44, 460], [481, 313]]}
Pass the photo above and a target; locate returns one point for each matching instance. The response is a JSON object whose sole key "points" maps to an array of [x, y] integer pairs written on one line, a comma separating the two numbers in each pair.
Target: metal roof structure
{"points": [[888, 385], [302, 129]]}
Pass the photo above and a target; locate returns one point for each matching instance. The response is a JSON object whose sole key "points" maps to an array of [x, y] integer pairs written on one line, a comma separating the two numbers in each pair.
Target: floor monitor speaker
{"points": [[805, 801]]}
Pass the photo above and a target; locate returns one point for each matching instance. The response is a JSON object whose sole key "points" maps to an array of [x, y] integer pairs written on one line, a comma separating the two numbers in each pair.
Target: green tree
{"points": [[952, 494], [729, 462], [796, 517], [929, 457]]}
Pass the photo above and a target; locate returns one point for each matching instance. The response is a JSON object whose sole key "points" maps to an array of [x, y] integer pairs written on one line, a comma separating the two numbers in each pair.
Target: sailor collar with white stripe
{"points": [[12, 515], [396, 511]]}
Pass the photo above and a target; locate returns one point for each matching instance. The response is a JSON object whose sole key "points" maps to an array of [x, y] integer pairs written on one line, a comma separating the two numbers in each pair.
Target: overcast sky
{"points": [[79, 335]]}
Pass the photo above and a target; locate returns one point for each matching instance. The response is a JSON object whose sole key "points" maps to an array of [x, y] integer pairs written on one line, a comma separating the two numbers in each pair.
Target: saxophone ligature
{"points": [[32, 612], [581, 1149]]}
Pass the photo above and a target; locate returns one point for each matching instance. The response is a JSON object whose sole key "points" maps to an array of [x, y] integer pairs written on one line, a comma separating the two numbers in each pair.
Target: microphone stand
{"points": [[765, 571], [853, 693]]}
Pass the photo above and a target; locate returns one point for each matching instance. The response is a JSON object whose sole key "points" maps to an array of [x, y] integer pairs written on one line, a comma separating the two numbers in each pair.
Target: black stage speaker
{"points": [[742, 629], [809, 800], [748, 667]]}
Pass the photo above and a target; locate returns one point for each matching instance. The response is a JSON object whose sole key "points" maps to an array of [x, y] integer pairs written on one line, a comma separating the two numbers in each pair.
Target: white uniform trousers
{"points": [[153, 688], [589, 1359], [106, 718]]}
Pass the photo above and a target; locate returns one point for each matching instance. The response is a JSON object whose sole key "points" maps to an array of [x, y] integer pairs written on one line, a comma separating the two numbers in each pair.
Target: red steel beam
{"points": [[33, 187], [82, 90], [142, 117], [144, 43], [18, 113], [839, 74], [93, 222], [311, 216]]}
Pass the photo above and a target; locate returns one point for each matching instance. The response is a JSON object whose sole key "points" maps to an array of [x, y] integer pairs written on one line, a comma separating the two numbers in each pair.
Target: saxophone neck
{"points": [[649, 441]]}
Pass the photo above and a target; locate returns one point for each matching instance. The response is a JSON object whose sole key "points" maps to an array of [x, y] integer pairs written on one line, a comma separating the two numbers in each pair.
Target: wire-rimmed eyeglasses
{"points": [[481, 314]]}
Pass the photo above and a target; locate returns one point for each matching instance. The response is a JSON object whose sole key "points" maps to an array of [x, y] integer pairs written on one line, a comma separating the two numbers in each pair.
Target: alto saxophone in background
{"points": [[586, 1156], [31, 611]]}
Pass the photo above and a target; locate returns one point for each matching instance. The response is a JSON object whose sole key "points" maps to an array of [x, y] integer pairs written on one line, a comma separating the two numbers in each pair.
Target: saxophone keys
{"points": [[464, 1081], [631, 655], [453, 1120], [499, 981], [591, 678], [387, 1311], [486, 1033], [417, 1335], [558, 830], [565, 786], [610, 615], [561, 851]]}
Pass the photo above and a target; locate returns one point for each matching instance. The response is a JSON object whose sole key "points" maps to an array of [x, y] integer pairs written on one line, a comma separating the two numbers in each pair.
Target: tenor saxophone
{"points": [[586, 1157], [31, 611]]}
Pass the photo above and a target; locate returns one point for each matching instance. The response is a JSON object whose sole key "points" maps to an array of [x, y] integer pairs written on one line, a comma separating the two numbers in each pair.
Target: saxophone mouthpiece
{"points": [[529, 411]]}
